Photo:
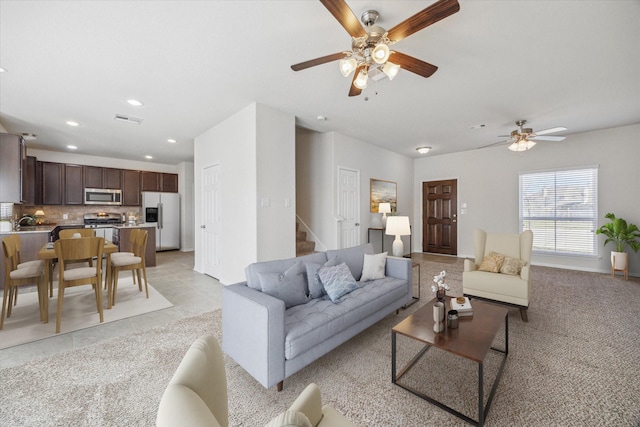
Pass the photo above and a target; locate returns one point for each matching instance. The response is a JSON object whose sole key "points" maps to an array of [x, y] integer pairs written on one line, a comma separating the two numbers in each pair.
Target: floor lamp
{"points": [[398, 226]]}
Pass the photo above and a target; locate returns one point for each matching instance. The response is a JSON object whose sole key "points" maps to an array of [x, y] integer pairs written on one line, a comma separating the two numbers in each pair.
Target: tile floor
{"points": [[190, 293]]}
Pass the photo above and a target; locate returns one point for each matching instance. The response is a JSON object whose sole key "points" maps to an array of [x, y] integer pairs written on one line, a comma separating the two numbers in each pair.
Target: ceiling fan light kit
{"points": [[370, 43]]}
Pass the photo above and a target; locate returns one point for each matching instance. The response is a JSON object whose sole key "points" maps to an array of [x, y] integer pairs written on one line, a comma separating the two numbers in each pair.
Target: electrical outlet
{"points": [[65, 216]]}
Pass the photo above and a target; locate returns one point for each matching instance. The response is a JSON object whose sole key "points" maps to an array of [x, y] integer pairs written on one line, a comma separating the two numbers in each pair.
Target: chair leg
{"points": [[137, 272], [523, 314], [59, 313], [5, 300], [12, 291], [146, 285], [42, 292], [98, 288], [114, 277]]}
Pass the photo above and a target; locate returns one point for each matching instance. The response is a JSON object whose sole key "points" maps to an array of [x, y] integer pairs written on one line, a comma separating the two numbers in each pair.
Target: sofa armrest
{"points": [[253, 332], [524, 273], [470, 265], [399, 268]]}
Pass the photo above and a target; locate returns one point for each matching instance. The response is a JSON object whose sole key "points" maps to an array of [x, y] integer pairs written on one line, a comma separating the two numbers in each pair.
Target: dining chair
{"points": [[133, 234], [69, 233], [15, 277], [17, 241], [135, 262], [74, 250]]}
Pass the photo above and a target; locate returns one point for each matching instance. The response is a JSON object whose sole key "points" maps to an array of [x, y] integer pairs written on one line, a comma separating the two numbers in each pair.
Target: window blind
{"points": [[560, 207]]}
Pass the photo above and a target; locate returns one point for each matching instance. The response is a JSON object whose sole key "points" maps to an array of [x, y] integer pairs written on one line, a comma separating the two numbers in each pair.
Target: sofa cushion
{"points": [[309, 324], [290, 418], [278, 266], [492, 263], [512, 266], [373, 266], [290, 286], [353, 257], [316, 290], [337, 281]]}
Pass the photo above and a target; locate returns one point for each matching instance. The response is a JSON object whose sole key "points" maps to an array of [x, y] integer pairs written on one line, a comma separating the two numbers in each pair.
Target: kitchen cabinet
{"points": [[99, 177], [112, 178], [52, 184], [169, 182], [131, 188], [150, 181], [73, 185], [13, 164], [92, 177], [29, 184]]}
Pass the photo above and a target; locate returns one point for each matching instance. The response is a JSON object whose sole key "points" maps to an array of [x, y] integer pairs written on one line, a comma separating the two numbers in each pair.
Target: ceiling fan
{"points": [[370, 44], [524, 139]]}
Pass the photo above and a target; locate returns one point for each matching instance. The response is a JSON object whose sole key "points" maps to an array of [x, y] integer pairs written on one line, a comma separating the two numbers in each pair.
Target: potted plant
{"points": [[622, 234]]}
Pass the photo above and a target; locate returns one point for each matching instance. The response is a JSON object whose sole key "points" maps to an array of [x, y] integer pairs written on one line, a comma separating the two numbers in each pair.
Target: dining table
{"points": [[48, 254]]}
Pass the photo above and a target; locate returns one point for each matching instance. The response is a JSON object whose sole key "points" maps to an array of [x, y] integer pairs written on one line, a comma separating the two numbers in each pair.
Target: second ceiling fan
{"points": [[370, 44]]}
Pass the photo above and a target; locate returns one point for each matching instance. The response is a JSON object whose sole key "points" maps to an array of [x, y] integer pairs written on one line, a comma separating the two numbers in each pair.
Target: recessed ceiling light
{"points": [[148, 157], [423, 150], [321, 118], [72, 147], [173, 141], [3, 70], [72, 123], [135, 102]]}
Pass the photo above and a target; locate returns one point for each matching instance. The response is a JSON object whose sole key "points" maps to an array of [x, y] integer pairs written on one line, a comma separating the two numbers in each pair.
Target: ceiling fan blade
{"points": [[318, 61], [548, 138], [432, 14], [345, 17], [552, 130], [353, 90], [412, 64]]}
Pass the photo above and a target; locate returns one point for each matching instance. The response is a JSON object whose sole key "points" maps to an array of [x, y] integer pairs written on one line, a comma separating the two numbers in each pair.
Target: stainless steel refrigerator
{"points": [[163, 211]]}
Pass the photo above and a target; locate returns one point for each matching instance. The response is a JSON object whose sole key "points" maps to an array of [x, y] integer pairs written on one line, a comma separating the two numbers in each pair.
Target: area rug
{"points": [[574, 364], [78, 311]]}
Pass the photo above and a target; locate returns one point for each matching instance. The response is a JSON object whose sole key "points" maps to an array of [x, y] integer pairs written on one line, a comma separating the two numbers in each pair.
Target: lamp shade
{"points": [[398, 226], [39, 212], [384, 207]]}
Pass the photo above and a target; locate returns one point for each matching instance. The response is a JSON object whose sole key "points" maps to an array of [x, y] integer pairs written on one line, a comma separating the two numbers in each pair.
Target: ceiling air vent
{"points": [[128, 119]]}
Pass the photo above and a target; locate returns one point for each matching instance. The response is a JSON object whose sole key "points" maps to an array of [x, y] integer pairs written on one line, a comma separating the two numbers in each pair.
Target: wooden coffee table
{"points": [[472, 340]]}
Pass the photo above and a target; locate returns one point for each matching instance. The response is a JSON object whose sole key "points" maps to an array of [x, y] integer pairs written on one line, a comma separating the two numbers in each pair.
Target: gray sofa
{"points": [[272, 340]]}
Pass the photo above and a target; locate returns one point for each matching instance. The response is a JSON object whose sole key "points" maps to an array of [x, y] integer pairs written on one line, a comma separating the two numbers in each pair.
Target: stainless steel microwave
{"points": [[101, 196]]}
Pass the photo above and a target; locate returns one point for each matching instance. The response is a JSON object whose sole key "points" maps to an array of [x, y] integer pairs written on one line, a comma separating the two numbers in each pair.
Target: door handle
{"points": [[203, 226]]}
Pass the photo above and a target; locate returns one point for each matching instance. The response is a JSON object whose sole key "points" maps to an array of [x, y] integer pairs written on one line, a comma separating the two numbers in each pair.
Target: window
{"points": [[561, 209]]}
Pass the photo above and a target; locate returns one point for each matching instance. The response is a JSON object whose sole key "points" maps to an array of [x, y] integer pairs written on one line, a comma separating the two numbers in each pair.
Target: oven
{"points": [[104, 223]]}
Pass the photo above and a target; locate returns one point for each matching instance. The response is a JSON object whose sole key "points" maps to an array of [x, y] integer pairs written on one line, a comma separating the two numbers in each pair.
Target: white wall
{"points": [[488, 184], [255, 151], [276, 184], [322, 155], [187, 217]]}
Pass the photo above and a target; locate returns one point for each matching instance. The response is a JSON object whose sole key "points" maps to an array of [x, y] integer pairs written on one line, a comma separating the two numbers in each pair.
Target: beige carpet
{"points": [[78, 311], [574, 364]]}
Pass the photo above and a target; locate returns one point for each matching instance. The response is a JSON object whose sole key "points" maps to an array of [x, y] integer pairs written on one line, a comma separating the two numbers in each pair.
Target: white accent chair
{"points": [[197, 395], [513, 290]]}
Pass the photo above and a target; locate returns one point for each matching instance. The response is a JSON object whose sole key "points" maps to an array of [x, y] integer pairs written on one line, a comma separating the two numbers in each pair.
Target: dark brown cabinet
{"points": [[93, 177], [29, 182], [131, 188], [150, 181], [169, 182], [52, 184], [112, 178], [73, 185]]}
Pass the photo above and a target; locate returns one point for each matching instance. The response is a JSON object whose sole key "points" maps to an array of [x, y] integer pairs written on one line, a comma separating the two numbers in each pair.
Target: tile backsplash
{"points": [[56, 214]]}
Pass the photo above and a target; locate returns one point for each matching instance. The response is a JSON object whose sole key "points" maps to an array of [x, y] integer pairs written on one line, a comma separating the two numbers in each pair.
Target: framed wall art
{"points": [[383, 192]]}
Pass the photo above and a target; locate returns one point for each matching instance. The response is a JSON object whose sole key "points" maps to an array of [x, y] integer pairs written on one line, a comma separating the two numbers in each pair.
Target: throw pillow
{"points": [[512, 266], [492, 262], [373, 267], [290, 286], [316, 290], [337, 281], [290, 418]]}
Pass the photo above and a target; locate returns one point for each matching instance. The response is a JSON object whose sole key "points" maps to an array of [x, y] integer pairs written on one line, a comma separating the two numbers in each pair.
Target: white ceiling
{"points": [[195, 63]]}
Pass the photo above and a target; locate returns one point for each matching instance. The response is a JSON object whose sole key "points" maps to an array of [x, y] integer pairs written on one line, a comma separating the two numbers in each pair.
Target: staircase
{"points": [[303, 246]]}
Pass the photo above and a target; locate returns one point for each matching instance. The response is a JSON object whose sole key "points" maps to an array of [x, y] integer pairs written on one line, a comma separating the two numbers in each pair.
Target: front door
{"points": [[349, 207], [211, 220], [439, 217]]}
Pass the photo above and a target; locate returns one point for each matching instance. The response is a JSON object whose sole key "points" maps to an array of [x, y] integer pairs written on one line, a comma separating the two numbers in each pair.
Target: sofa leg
{"points": [[523, 314], [280, 385], [398, 311]]}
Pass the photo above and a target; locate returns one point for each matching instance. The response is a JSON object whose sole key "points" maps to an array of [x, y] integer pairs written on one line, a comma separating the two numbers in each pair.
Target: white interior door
{"points": [[210, 226], [349, 207]]}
